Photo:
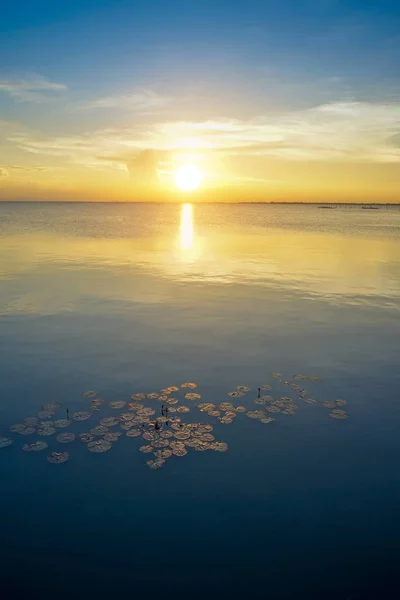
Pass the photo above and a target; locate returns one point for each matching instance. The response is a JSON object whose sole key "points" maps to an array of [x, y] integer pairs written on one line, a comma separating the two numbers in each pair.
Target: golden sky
{"points": [[105, 103]]}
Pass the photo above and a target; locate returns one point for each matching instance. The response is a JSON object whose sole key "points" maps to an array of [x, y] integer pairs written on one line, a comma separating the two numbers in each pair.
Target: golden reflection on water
{"points": [[186, 227], [330, 265]]}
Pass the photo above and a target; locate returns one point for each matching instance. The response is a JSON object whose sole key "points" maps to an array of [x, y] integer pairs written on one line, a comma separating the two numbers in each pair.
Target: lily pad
{"points": [[17, 428], [164, 453], [146, 449], [27, 431], [191, 385], [5, 442], [65, 438], [134, 432], [51, 406], [117, 404], [61, 423], [90, 394], [46, 414], [179, 451], [111, 437], [138, 396], [86, 437], [99, 446], [154, 465], [109, 421], [35, 447], [58, 457], [32, 421], [81, 416], [45, 431], [242, 388], [99, 430], [340, 416]]}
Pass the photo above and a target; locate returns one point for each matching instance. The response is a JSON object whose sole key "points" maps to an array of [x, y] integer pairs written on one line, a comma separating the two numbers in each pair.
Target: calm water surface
{"points": [[126, 298]]}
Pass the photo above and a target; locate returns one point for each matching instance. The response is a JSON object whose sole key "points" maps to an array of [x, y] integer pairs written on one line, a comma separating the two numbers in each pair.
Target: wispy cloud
{"points": [[32, 89], [345, 131], [140, 101]]}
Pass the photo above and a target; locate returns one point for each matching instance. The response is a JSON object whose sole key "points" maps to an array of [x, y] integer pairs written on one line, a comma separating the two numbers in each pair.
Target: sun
{"points": [[188, 178]]}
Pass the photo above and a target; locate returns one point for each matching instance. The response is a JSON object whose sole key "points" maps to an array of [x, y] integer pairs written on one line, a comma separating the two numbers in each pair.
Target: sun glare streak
{"points": [[186, 228]]}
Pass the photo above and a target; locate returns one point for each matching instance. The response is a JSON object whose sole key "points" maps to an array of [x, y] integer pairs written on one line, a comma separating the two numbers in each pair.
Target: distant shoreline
{"points": [[322, 204]]}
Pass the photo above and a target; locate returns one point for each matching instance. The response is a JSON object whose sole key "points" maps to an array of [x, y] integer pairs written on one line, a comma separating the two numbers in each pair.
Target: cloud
{"points": [[3, 173], [34, 89], [24, 168], [140, 101], [342, 131]]}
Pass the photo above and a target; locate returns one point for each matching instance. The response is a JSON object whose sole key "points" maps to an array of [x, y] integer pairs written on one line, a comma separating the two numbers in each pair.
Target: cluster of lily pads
{"points": [[166, 435]]}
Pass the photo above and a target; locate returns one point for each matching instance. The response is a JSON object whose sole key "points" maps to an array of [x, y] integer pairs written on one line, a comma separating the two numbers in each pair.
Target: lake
{"points": [[128, 298]]}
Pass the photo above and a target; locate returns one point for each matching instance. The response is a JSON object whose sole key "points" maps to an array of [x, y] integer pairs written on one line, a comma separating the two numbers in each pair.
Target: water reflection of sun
{"points": [[186, 228]]}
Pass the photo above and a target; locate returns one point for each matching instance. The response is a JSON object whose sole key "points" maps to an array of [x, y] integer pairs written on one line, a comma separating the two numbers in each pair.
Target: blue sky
{"points": [[73, 70]]}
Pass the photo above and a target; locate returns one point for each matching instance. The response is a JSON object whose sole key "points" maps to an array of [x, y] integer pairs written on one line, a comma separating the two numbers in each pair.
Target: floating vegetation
{"points": [[46, 414], [58, 457], [35, 447], [86, 437], [44, 431], [17, 428], [61, 423], [340, 402], [32, 421], [111, 437], [307, 378], [27, 431], [179, 451], [134, 432], [65, 438], [81, 416], [328, 404], [90, 394], [97, 402], [51, 406], [166, 434], [173, 401], [99, 446], [135, 406], [338, 414], [155, 464], [117, 404], [99, 430], [226, 406], [164, 453], [192, 396], [5, 441], [109, 421], [273, 409], [255, 414]]}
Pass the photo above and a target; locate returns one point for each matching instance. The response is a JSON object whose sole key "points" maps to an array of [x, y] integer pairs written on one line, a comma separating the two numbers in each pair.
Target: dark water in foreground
{"points": [[129, 298]]}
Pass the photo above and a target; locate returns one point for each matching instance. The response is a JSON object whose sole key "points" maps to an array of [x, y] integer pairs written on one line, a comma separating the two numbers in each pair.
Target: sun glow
{"points": [[188, 178], [186, 226]]}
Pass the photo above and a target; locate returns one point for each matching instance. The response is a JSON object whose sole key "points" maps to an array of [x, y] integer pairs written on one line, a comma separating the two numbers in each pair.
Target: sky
{"points": [[297, 100]]}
